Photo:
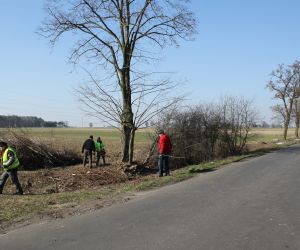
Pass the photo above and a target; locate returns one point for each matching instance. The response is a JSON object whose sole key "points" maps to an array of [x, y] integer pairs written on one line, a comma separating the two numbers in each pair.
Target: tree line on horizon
{"points": [[14, 121]]}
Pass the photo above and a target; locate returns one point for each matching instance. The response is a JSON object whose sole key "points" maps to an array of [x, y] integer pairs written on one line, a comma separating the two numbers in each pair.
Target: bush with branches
{"points": [[208, 131]]}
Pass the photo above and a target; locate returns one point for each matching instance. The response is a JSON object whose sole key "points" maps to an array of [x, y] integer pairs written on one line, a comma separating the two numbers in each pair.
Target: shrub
{"points": [[209, 131]]}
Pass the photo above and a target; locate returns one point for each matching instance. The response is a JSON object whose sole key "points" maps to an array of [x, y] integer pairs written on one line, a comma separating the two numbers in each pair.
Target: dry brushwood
{"points": [[35, 154]]}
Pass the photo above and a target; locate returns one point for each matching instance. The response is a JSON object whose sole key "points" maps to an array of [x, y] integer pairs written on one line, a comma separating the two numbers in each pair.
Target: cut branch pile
{"points": [[35, 154]]}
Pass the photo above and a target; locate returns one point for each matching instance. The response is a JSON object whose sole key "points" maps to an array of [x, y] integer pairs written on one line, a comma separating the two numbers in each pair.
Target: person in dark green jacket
{"points": [[10, 165], [100, 151]]}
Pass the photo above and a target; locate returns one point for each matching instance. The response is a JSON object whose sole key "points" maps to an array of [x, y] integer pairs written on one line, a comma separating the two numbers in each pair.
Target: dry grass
{"points": [[269, 134]]}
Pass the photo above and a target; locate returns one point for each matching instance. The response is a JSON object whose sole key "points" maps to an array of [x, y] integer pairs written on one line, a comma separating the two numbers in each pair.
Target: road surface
{"points": [[253, 204]]}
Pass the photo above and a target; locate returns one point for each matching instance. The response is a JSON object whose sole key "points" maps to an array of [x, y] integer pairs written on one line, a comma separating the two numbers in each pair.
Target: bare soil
{"points": [[70, 178]]}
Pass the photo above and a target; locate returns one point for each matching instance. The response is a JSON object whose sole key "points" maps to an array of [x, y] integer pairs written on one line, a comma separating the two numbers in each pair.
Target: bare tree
{"points": [[285, 83], [114, 34], [105, 104], [238, 117], [279, 114]]}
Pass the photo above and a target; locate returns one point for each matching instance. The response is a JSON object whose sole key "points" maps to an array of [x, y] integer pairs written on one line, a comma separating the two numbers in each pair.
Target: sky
{"points": [[238, 45]]}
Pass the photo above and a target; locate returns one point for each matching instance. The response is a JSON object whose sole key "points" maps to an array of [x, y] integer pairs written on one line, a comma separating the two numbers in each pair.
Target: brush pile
{"points": [[36, 154], [67, 179]]}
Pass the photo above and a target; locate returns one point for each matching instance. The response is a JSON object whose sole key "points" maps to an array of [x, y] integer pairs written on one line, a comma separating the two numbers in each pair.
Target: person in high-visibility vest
{"points": [[100, 151], [10, 164]]}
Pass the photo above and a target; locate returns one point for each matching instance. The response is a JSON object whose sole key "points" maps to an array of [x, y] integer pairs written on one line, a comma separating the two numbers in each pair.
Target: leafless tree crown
{"points": [[285, 84], [117, 34], [108, 29]]}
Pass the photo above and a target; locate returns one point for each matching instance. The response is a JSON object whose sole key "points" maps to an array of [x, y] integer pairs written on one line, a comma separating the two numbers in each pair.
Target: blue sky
{"points": [[238, 45]]}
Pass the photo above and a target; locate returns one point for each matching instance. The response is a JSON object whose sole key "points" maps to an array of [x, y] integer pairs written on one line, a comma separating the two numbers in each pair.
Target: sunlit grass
{"points": [[269, 134]]}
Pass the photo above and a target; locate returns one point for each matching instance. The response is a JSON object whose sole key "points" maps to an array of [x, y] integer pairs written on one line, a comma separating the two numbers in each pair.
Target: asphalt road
{"points": [[247, 205]]}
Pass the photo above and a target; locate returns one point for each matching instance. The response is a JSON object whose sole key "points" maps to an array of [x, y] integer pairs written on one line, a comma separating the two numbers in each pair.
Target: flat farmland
{"points": [[269, 134], [142, 137], [73, 138], [80, 134]]}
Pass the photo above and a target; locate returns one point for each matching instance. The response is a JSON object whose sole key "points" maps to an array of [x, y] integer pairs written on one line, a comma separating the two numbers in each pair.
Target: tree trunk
{"points": [[125, 143], [285, 129], [297, 126], [128, 127], [286, 126], [131, 145], [128, 131]]}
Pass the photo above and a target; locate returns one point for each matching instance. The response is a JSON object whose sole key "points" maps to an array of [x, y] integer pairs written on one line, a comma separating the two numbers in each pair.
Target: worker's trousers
{"points": [[13, 174], [100, 154], [163, 165], [87, 156]]}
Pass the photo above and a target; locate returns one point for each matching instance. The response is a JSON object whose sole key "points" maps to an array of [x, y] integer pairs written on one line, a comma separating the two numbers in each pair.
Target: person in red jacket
{"points": [[164, 150]]}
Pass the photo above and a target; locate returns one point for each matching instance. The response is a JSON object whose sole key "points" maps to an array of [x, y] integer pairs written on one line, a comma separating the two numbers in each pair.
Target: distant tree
{"points": [[62, 124], [14, 121], [279, 115], [49, 124], [90, 124], [264, 124], [115, 34], [285, 83]]}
